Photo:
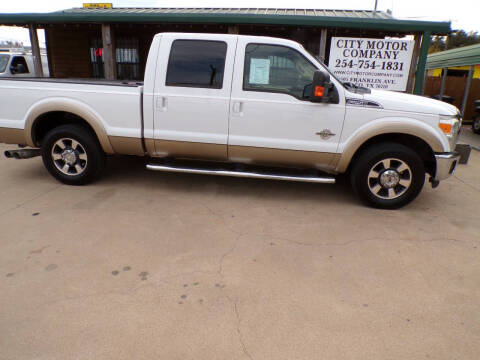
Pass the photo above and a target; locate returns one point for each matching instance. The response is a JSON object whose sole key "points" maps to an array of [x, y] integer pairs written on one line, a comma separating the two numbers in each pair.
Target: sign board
{"points": [[372, 63], [97, 5]]}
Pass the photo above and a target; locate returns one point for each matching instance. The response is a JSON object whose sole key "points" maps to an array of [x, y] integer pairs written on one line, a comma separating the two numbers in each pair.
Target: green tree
{"points": [[456, 39]]}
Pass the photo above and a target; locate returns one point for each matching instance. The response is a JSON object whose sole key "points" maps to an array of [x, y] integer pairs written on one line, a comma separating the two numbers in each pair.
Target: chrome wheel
{"points": [[389, 178], [69, 156]]}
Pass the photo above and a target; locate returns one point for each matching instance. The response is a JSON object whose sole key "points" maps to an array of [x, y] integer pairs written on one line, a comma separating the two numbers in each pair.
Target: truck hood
{"points": [[392, 100]]}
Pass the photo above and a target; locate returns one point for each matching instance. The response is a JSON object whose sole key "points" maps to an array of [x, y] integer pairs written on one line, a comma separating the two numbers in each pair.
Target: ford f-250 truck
{"points": [[235, 105]]}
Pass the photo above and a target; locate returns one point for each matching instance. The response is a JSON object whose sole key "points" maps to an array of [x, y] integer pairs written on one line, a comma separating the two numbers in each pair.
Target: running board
{"points": [[242, 174]]}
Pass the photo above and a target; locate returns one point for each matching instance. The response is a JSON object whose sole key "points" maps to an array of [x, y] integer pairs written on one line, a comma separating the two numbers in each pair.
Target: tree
{"points": [[456, 39]]}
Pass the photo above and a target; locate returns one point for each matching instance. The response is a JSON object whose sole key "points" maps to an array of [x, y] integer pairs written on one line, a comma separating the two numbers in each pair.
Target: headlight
{"points": [[450, 126]]}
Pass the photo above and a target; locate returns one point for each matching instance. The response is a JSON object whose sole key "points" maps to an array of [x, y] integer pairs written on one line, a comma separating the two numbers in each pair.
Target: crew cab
{"points": [[235, 105]]}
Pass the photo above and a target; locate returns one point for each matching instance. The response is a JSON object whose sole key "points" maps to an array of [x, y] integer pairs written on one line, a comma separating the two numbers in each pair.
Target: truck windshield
{"points": [[3, 62]]}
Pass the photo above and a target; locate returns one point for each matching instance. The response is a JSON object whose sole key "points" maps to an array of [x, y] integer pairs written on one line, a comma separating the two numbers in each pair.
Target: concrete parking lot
{"points": [[145, 265]]}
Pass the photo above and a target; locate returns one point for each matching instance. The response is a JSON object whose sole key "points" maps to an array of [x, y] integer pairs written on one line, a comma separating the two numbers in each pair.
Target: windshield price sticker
{"points": [[372, 63], [259, 71]]}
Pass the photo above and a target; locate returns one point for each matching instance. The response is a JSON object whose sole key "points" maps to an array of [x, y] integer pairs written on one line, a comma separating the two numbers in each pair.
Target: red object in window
{"points": [[319, 91], [98, 51]]}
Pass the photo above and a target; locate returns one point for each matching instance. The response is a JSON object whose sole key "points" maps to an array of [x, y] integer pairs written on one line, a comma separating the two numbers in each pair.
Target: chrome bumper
{"points": [[446, 164]]}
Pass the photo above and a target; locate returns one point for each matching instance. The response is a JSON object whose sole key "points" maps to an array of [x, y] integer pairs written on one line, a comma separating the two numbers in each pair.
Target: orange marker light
{"points": [[319, 91], [446, 128]]}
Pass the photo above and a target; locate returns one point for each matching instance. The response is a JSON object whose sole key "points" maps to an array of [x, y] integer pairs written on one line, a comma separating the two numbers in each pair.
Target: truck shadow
{"points": [[131, 170]]}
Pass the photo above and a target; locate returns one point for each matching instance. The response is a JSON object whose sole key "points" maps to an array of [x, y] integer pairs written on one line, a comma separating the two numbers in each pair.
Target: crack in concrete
{"points": [[361, 240], [222, 258], [238, 328]]}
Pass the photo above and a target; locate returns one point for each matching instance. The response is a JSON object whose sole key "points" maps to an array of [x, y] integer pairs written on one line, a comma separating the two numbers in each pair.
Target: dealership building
{"points": [[113, 43]]}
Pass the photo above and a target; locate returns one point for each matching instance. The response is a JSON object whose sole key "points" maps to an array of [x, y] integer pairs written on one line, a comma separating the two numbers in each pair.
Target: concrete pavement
{"points": [[145, 265]]}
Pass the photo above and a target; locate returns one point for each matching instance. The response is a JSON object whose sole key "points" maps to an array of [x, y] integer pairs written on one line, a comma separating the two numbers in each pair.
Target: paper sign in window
{"points": [[259, 71]]}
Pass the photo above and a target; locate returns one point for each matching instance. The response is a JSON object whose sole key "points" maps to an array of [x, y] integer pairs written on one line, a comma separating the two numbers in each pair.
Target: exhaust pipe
{"points": [[23, 153]]}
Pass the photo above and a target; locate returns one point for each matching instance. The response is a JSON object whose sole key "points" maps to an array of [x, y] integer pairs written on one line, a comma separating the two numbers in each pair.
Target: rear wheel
{"points": [[476, 124], [73, 155], [388, 175]]}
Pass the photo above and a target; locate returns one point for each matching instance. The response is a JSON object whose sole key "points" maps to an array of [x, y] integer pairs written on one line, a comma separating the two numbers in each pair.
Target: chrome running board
{"points": [[242, 174]]}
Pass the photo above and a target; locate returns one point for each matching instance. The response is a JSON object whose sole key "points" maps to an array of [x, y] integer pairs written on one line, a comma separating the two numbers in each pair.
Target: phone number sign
{"points": [[372, 63]]}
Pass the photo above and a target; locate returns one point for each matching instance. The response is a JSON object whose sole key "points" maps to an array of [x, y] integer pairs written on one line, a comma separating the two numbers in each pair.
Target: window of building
{"points": [[196, 63], [278, 69], [127, 58]]}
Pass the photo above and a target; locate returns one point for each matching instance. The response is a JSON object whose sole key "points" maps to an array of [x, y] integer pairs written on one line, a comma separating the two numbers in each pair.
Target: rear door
{"points": [[192, 95]]}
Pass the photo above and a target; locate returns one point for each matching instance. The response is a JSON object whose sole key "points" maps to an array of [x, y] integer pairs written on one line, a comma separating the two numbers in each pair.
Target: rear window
{"points": [[3, 62], [196, 63]]}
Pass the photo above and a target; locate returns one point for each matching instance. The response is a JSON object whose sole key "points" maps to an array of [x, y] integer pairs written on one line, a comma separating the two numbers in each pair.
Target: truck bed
{"points": [[117, 105]]}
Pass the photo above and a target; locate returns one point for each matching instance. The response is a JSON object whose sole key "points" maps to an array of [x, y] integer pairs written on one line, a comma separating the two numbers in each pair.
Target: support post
{"points": [[323, 45], [467, 90], [442, 86], [109, 57], [422, 60], [37, 57], [413, 63]]}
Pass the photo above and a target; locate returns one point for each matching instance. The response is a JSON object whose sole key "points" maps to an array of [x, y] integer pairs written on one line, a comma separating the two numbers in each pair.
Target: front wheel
{"points": [[388, 175], [476, 124], [72, 155]]}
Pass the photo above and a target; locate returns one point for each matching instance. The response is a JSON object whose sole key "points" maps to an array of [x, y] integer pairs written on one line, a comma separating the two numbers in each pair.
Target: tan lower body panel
{"points": [[126, 145], [191, 150], [282, 157], [12, 136], [242, 154]]}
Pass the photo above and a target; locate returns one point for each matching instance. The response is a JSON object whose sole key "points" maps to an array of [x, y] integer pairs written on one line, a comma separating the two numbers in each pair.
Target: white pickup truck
{"points": [[235, 105]]}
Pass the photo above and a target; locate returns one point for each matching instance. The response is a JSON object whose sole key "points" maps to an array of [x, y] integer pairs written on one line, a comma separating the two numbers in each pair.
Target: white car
{"points": [[20, 64], [235, 105]]}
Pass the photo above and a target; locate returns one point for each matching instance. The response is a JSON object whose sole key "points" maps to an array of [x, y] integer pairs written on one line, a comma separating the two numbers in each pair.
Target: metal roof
{"points": [[464, 56], [366, 19]]}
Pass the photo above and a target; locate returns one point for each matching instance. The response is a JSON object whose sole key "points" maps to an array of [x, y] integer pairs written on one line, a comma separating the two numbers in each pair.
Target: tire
{"points": [[476, 124], [73, 155], [388, 175]]}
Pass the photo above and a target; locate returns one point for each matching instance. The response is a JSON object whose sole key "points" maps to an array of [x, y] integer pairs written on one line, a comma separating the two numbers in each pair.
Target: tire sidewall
{"points": [[95, 160], [380, 152], [476, 124]]}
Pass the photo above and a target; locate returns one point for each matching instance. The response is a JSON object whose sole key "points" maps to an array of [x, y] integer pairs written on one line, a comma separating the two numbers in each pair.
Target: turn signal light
{"points": [[445, 127], [319, 91]]}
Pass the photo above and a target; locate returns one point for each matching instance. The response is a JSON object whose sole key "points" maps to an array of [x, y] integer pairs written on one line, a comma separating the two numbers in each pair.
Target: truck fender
{"points": [[389, 125], [75, 107]]}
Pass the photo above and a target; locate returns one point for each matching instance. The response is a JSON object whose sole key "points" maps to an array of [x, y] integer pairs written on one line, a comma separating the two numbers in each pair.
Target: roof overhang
{"points": [[464, 56], [218, 17]]}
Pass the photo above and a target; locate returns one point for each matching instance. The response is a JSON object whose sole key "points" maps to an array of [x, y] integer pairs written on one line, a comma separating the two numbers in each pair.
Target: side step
{"points": [[243, 174]]}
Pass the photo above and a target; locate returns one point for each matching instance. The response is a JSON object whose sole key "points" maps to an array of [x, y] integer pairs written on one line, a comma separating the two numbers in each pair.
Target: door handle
{"points": [[161, 103], [238, 107]]}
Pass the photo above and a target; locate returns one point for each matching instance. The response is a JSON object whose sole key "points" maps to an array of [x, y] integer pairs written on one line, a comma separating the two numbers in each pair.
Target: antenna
{"points": [[376, 3]]}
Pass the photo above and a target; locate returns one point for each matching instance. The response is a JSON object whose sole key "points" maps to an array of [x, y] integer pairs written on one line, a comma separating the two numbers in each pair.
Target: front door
{"points": [[192, 95], [271, 121]]}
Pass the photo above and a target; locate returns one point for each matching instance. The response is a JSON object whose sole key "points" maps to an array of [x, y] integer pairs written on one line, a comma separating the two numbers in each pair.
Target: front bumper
{"points": [[446, 164]]}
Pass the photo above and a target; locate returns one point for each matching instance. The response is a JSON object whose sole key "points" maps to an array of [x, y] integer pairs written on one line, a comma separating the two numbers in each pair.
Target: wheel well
{"points": [[413, 142], [48, 121]]}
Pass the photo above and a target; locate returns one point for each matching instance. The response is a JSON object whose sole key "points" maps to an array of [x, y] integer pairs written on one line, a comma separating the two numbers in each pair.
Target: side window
{"points": [[20, 65], [196, 63], [278, 69]]}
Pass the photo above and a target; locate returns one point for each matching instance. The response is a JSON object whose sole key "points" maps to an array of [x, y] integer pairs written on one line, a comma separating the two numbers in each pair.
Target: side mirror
{"points": [[13, 69], [322, 89]]}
